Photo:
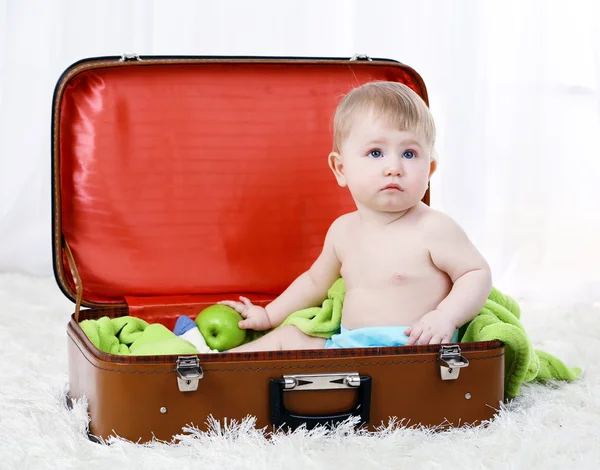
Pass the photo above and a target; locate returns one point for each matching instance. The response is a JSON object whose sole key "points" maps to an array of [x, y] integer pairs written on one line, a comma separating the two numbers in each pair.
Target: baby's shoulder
{"points": [[434, 221], [342, 225], [344, 222]]}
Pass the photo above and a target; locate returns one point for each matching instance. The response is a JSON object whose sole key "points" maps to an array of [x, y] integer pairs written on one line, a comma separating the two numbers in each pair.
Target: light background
{"points": [[514, 87]]}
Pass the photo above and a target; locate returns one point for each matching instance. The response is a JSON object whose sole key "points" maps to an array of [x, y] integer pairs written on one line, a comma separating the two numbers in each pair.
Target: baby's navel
{"points": [[399, 276]]}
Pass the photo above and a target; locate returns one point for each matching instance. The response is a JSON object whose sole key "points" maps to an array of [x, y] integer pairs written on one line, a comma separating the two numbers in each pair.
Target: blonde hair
{"points": [[401, 106]]}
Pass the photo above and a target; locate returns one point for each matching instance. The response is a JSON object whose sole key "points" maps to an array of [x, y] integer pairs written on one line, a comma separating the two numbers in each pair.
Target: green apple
{"points": [[219, 326]]}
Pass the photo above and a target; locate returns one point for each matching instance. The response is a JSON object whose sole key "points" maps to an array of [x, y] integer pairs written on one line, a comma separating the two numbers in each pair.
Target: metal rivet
{"points": [[468, 396], [163, 409]]}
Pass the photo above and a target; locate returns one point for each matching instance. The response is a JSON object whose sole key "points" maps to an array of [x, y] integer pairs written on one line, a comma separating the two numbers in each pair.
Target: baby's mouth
{"points": [[392, 187]]}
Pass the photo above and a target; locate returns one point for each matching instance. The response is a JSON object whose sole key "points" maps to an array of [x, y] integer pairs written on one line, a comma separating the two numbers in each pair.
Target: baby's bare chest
{"points": [[394, 259]]}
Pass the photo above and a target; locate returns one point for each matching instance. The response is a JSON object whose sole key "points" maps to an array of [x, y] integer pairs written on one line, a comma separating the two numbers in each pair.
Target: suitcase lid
{"points": [[196, 175]]}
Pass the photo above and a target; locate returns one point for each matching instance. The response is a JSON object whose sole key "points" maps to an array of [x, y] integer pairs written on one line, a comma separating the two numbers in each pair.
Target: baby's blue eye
{"points": [[408, 154], [375, 154]]}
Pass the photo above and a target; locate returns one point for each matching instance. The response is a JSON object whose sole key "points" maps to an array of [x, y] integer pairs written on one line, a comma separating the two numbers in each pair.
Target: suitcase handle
{"points": [[280, 416]]}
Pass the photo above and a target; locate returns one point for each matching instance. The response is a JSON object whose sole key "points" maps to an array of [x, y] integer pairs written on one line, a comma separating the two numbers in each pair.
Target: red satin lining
{"points": [[200, 179]]}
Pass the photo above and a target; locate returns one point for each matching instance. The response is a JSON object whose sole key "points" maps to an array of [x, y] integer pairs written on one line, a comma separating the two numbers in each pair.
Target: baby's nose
{"points": [[393, 169]]}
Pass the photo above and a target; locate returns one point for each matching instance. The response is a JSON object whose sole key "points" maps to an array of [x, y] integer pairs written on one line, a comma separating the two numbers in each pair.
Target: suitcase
{"points": [[181, 181]]}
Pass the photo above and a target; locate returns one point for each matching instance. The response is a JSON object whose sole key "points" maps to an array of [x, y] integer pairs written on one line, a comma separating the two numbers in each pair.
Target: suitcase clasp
{"points": [[189, 373], [451, 362]]}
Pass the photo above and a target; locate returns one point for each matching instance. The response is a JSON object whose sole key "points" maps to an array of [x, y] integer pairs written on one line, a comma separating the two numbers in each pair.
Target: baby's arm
{"points": [[308, 290], [453, 253]]}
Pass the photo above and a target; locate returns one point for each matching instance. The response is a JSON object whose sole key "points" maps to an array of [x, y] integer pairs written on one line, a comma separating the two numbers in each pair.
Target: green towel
{"points": [[102, 334], [498, 320], [133, 336], [323, 321], [128, 329]]}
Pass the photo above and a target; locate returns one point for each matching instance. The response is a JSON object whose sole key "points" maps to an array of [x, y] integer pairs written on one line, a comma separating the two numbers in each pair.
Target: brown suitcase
{"points": [[180, 181]]}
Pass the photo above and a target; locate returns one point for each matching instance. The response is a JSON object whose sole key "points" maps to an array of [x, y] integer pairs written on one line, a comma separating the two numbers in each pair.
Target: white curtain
{"points": [[514, 86]]}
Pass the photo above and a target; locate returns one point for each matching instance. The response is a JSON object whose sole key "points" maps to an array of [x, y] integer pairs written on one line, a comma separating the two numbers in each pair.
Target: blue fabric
{"points": [[183, 325], [372, 336]]}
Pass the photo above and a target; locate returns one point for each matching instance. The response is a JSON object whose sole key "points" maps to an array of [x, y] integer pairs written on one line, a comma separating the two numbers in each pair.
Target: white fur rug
{"points": [[547, 426]]}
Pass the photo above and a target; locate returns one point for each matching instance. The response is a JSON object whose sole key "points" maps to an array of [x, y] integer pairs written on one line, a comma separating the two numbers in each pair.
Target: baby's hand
{"points": [[255, 317], [433, 328]]}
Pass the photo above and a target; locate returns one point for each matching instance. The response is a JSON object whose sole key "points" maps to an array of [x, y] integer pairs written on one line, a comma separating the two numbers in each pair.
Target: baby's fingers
{"points": [[246, 301], [237, 306], [425, 339], [250, 324], [435, 340], [446, 339], [415, 334]]}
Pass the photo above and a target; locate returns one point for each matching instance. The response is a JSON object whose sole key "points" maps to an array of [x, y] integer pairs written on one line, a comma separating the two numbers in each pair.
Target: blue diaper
{"points": [[372, 336]]}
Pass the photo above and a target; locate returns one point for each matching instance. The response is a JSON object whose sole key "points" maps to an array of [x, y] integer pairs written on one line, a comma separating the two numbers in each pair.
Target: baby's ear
{"points": [[432, 166], [337, 166]]}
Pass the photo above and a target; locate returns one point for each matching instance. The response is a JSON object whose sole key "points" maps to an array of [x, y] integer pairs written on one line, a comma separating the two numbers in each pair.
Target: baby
{"points": [[411, 273]]}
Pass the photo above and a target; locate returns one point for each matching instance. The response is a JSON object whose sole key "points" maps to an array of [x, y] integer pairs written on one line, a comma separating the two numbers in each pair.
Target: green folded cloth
{"points": [[133, 336], [498, 320], [102, 334], [323, 321]]}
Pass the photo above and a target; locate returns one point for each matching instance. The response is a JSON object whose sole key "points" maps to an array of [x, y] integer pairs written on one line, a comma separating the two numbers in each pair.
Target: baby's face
{"points": [[385, 169]]}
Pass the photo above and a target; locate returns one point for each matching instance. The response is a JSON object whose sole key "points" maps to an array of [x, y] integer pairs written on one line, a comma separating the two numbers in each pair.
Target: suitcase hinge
{"points": [[451, 362], [361, 57], [189, 373], [129, 57]]}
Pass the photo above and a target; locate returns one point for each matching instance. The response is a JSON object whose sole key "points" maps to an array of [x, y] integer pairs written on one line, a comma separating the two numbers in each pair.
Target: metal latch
{"points": [[189, 373], [361, 57], [128, 57], [321, 381], [451, 362]]}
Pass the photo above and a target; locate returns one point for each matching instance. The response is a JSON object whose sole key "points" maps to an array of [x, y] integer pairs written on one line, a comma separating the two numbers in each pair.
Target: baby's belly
{"points": [[399, 305]]}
